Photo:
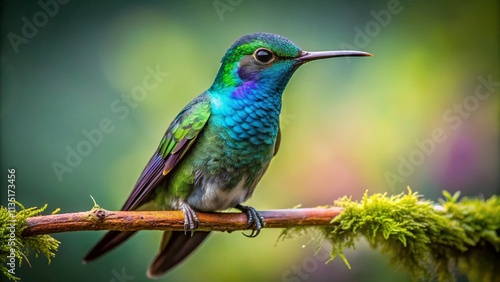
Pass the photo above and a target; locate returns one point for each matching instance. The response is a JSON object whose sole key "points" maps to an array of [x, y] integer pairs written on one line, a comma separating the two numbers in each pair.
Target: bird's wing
{"points": [[180, 136], [277, 143]]}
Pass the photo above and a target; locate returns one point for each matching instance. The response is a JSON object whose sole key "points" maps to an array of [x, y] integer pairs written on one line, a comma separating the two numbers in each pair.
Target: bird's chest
{"points": [[232, 160], [240, 139]]}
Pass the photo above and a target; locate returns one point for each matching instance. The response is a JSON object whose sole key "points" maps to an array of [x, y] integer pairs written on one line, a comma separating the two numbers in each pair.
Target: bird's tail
{"points": [[108, 242], [175, 246]]}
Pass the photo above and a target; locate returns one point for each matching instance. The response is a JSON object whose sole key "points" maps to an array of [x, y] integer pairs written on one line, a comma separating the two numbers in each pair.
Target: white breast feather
{"points": [[215, 198]]}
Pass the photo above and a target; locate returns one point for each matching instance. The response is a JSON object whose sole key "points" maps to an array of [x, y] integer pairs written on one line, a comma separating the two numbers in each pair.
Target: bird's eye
{"points": [[264, 56]]}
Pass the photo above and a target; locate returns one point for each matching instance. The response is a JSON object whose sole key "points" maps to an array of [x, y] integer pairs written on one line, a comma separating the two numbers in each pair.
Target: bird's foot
{"points": [[255, 219], [190, 218]]}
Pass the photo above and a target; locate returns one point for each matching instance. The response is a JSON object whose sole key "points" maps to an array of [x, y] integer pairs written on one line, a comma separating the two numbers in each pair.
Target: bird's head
{"points": [[267, 60]]}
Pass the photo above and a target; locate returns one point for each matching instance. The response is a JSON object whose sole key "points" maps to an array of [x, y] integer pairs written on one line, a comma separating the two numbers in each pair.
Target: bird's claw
{"points": [[190, 218], [255, 219]]}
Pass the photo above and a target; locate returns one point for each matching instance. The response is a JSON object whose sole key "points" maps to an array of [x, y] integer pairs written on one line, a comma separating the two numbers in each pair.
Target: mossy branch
{"points": [[418, 236], [425, 239], [101, 219], [15, 248]]}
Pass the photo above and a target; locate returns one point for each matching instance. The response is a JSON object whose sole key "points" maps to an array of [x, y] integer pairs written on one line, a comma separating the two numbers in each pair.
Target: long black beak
{"points": [[311, 56]]}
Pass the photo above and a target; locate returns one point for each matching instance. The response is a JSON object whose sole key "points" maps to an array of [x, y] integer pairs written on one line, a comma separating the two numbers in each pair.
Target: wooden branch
{"points": [[101, 219]]}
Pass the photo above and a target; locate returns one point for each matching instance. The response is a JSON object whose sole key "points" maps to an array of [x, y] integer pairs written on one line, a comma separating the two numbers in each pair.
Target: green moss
{"points": [[13, 244], [427, 240]]}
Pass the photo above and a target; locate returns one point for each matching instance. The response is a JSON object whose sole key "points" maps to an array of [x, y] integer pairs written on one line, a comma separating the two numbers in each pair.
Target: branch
{"points": [[424, 239], [101, 219]]}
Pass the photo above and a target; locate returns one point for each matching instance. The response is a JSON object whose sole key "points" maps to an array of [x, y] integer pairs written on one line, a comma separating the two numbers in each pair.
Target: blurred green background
{"points": [[348, 125]]}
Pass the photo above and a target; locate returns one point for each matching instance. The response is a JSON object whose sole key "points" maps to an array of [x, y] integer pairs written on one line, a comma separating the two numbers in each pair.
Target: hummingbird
{"points": [[219, 146]]}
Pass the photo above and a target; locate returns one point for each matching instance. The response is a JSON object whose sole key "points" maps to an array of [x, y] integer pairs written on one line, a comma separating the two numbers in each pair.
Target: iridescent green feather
{"points": [[186, 126]]}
